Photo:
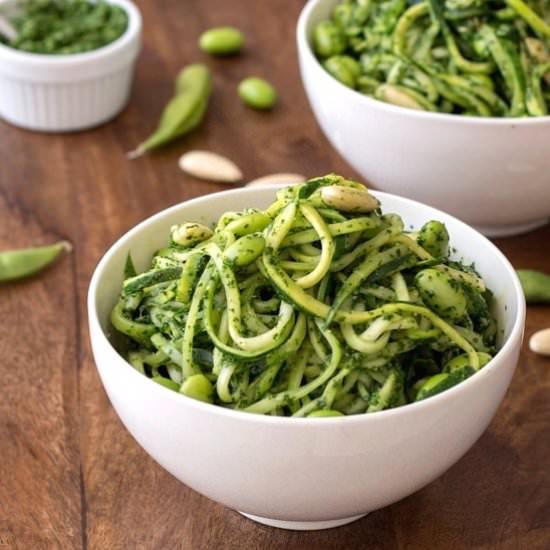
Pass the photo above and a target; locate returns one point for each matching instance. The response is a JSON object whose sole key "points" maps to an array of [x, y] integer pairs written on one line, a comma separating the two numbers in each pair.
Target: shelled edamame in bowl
{"points": [[321, 333], [444, 101]]}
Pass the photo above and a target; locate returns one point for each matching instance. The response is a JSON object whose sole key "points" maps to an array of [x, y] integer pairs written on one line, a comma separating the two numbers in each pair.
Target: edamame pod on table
{"points": [[184, 112], [17, 264]]}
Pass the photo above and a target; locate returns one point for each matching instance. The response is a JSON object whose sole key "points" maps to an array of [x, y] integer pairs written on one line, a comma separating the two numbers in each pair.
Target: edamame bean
{"points": [[344, 68], [441, 293], [221, 41], [434, 238], [245, 250], [198, 387], [17, 264], [257, 93], [328, 39], [324, 413], [184, 112], [248, 223]]}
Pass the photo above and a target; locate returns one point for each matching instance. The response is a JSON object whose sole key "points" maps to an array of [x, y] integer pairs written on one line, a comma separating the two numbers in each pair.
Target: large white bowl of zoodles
{"points": [[352, 344], [442, 101]]}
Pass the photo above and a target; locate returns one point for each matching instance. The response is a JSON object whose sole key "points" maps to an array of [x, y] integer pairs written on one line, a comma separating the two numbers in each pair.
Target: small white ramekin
{"points": [[60, 93]]}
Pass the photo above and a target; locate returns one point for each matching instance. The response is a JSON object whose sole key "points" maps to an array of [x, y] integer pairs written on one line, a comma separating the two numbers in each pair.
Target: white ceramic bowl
{"points": [[491, 173], [302, 473], [60, 93]]}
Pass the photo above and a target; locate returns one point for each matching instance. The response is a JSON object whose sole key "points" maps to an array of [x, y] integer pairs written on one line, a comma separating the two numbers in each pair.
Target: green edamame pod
{"points": [[328, 39], [198, 387], [17, 264], [257, 93], [221, 41], [434, 238], [441, 293], [184, 111], [536, 286]]}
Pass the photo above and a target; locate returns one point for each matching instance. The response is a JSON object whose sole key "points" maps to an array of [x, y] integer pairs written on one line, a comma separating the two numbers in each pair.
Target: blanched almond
{"points": [[210, 166], [348, 199], [540, 342]]}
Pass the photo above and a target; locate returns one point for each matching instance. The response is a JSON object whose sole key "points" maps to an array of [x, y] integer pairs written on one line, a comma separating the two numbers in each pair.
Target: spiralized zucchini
{"points": [[321, 305], [470, 57]]}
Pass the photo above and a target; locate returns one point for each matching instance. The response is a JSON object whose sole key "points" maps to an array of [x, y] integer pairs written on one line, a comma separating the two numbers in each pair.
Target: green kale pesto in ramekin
{"points": [[66, 26]]}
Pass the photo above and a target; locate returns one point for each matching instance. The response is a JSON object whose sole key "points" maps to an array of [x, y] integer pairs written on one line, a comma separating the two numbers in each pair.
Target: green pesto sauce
{"points": [[66, 26]]}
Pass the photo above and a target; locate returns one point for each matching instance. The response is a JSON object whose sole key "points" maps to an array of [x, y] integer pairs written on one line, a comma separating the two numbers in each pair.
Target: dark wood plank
{"points": [[71, 476], [40, 483]]}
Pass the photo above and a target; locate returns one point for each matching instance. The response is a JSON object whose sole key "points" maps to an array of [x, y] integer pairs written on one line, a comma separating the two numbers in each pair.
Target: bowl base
{"points": [[303, 525], [510, 230]]}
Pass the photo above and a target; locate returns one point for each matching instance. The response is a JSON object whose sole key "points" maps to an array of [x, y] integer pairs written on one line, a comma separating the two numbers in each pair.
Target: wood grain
{"points": [[70, 474]]}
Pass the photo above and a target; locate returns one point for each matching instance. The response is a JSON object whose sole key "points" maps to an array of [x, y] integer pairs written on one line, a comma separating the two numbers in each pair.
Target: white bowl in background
{"points": [[492, 173], [292, 472], [61, 93]]}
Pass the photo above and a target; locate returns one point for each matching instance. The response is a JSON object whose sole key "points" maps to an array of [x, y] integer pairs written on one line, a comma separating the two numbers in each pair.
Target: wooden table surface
{"points": [[70, 474]]}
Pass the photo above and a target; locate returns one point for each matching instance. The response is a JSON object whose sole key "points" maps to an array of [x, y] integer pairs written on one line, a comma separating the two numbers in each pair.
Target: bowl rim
{"points": [[516, 332], [69, 60], [304, 47]]}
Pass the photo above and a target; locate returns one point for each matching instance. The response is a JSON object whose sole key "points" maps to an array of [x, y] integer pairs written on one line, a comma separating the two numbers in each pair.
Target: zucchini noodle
{"points": [[311, 307]]}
